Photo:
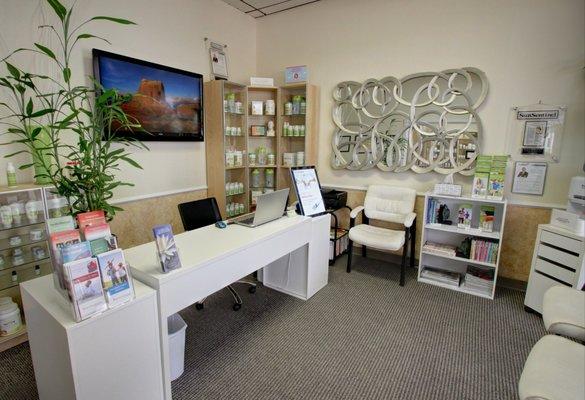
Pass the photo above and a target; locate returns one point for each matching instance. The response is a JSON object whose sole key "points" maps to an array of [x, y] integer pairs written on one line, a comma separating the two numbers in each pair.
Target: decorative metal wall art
{"points": [[423, 122]]}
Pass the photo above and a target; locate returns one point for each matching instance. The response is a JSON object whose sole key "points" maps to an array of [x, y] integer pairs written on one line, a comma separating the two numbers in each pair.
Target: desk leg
{"points": [[164, 344]]}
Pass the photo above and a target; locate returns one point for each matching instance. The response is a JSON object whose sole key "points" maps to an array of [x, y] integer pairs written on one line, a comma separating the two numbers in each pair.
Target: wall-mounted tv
{"points": [[167, 102]]}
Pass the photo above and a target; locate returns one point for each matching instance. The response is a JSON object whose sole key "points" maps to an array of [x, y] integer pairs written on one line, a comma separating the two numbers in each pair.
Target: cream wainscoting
{"points": [[519, 233]]}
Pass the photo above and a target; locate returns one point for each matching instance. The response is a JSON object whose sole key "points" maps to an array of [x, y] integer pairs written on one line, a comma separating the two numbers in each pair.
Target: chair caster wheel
{"points": [[252, 289], [199, 306], [237, 306]]}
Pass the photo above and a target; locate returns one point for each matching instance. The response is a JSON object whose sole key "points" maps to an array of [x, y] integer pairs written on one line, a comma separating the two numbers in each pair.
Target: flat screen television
{"points": [[168, 102]]}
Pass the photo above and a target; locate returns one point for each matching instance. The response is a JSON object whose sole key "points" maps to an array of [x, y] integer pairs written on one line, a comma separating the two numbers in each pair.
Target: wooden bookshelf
{"points": [[293, 144], [217, 119], [218, 142]]}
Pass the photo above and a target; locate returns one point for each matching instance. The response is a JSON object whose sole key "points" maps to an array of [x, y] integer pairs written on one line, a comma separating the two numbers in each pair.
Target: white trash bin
{"points": [[177, 327]]}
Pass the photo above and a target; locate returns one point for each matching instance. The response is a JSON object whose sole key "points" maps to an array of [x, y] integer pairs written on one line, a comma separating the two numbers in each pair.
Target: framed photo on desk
{"points": [[308, 190]]}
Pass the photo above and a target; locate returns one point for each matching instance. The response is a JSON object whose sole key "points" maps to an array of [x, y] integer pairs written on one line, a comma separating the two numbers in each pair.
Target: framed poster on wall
{"points": [[535, 132], [218, 60], [529, 178]]}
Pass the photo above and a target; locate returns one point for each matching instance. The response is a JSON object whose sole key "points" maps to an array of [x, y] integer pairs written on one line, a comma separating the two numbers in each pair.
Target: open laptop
{"points": [[269, 206]]}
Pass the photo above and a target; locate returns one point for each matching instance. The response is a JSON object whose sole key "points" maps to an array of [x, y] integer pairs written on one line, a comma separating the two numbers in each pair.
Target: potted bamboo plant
{"points": [[68, 129]]}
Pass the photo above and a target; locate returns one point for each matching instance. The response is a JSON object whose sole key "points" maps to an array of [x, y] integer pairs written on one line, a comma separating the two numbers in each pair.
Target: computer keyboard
{"points": [[248, 220]]}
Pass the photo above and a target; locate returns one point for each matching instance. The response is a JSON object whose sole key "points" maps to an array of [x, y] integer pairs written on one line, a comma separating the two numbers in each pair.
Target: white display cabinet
{"points": [[24, 249], [452, 235]]}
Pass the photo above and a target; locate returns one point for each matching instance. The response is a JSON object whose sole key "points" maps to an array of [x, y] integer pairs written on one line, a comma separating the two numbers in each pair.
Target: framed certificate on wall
{"points": [[529, 178]]}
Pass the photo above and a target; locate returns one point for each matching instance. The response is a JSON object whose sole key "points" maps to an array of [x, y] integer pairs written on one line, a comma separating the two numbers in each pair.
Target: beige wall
{"points": [[169, 32], [531, 50], [133, 226]]}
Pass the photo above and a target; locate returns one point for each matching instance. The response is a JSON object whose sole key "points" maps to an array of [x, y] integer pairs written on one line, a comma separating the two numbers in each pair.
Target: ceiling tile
{"points": [[239, 5], [286, 5], [263, 3], [256, 14]]}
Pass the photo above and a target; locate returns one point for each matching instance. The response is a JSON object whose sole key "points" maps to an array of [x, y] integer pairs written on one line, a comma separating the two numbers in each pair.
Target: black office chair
{"points": [[197, 214]]}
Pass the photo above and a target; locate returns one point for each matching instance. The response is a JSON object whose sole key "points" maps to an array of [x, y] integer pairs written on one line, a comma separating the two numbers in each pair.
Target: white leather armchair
{"points": [[390, 204]]}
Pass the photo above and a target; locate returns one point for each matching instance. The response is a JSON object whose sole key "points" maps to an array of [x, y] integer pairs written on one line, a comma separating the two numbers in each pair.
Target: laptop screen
{"points": [[308, 190]]}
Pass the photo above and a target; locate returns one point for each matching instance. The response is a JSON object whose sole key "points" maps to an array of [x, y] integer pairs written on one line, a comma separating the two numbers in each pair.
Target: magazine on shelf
{"points": [[441, 275], [440, 249], [86, 287], [480, 279], [116, 279], [166, 248]]}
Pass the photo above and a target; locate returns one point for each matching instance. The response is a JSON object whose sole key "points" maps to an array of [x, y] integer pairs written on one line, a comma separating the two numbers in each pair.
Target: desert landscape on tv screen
{"points": [[162, 101]]}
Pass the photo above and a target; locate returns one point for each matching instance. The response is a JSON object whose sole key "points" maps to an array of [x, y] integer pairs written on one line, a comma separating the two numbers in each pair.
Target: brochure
{"points": [[60, 224], [75, 251], [102, 245], [91, 218], [167, 249], [92, 232], [86, 287], [116, 280]]}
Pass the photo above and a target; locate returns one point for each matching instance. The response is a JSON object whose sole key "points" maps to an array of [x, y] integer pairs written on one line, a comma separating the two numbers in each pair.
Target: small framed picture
{"points": [[257, 130], [257, 108], [218, 60]]}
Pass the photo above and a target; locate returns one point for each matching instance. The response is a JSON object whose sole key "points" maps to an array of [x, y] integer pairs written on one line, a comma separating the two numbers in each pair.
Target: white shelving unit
{"points": [[453, 235]]}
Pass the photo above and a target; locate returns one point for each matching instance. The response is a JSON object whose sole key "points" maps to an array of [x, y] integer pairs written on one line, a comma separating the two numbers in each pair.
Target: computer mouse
{"points": [[220, 224]]}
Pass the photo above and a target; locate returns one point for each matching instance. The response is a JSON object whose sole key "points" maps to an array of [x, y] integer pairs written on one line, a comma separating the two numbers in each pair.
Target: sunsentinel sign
{"points": [[538, 115]]}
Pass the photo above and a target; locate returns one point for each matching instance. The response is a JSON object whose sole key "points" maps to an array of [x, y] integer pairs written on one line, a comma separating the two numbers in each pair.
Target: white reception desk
{"points": [[292, 253]]}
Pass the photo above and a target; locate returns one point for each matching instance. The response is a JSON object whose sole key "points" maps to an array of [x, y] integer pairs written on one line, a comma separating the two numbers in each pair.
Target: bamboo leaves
{"points": [[83, 171]]}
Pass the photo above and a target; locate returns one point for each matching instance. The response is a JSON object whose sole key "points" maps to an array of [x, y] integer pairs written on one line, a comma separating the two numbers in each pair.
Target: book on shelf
{"points": [[441, 275], [464, 215], [479, 279], [486, 218], [484, 250], [440, 249], [87, 295], [167, 249], [115, 276]]}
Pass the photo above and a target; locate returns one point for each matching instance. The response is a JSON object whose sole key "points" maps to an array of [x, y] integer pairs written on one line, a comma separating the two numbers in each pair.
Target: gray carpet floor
{"points": [[361, 337]]}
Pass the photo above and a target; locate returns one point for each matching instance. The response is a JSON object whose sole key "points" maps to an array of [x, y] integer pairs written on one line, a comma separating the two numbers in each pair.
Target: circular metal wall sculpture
{"points": [[423, 122]]}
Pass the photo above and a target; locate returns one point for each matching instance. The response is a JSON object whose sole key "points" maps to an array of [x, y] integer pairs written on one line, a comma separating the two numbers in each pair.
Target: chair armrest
{"points": [[409, 219], [355, 212]]}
